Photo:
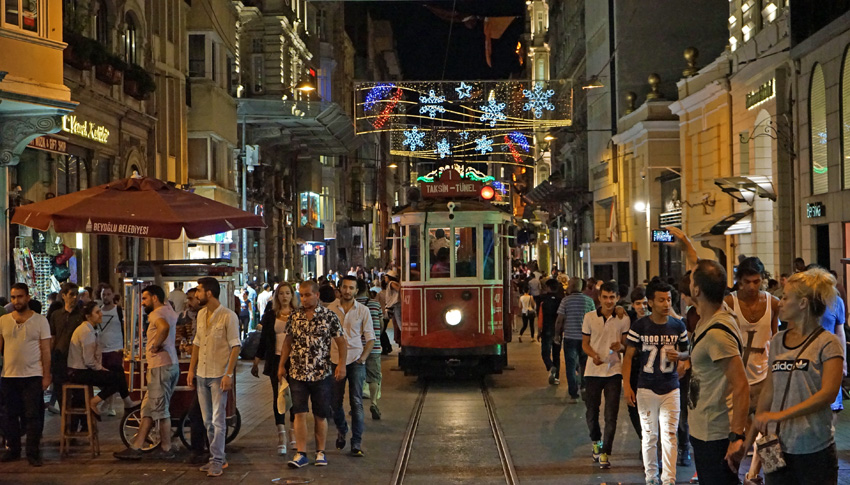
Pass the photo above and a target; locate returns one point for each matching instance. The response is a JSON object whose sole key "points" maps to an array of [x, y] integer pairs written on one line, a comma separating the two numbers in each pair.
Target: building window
{"points": [[130, 52], [22, 14], [845, 119], [197, 55], [257, 70], [101, 26], [213, 58], [819, 137]]}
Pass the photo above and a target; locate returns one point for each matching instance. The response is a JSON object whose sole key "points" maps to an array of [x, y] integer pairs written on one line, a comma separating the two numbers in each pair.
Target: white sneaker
{"points": [[281, 449]]}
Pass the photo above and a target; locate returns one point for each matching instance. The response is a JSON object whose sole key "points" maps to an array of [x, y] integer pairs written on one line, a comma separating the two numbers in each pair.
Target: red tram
{"points": [[454, 278]]}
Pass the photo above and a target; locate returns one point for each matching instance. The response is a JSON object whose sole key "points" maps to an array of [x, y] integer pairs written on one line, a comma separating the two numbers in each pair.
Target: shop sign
{"points": [[49, 144], [815, 209], [86, 129], [114, 228], [451, 184], [313, 248], [765, 92]]}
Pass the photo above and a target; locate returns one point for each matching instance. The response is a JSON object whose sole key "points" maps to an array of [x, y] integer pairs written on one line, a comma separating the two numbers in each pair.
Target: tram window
{"points": [[415, 267], [439, 252], [489, 252], [465, 248]]}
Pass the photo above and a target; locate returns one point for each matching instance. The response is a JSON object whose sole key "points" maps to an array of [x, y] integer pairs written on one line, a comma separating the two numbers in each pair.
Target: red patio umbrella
{"points": [[136, 207]]}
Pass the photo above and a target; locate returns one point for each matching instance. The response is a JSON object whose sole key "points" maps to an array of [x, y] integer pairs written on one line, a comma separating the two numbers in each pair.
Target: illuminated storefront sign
{"points": [[815, 209], [765, 92], [49, 144], [86, 129]]}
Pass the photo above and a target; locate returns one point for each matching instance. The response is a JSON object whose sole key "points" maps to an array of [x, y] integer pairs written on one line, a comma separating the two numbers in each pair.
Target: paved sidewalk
{"points": [[547, 438]]}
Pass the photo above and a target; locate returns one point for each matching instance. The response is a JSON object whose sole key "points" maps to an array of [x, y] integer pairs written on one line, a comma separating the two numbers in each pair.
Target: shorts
{"points": [[161, 383], [373, 368], [320, 394]]}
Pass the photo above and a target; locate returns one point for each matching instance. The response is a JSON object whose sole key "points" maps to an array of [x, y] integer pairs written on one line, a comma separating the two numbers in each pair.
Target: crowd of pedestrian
{"points": [[703, 367], [315, 337]]}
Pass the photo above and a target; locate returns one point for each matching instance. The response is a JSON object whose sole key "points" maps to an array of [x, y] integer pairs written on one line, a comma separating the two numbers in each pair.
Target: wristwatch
{"points": [[733, 437]]}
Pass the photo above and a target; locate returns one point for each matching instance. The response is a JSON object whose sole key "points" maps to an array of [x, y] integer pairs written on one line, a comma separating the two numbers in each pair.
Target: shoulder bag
{"points": [[769, 448]]}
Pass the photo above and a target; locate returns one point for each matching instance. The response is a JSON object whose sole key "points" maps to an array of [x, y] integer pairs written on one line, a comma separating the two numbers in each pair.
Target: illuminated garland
{"points": [[520, 140], [376, 94], [514, 152], [468, 173]]}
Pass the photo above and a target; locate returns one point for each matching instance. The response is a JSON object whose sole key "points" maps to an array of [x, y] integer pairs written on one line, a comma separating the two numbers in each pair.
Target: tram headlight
{"points": [[453, 317]]}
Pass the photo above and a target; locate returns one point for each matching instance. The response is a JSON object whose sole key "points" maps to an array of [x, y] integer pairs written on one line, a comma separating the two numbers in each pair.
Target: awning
{"points": [[737, 223], [546, 191], [745, 189], [323, 127]]}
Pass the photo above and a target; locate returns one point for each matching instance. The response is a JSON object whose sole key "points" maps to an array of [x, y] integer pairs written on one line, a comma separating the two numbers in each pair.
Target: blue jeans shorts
{"points": [[320, 394]]}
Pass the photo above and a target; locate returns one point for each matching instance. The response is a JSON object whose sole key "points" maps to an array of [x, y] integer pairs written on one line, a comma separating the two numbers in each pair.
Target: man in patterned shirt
{"points": [[307, 347]]}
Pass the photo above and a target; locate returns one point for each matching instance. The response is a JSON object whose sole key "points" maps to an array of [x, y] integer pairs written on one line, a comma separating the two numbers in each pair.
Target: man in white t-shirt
{"points": [[603, 340], [177, 297], [264, 298], [25, 346]]}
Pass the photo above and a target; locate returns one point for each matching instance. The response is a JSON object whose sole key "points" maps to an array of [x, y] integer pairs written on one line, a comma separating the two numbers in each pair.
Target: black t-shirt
{"points": [[549, 308], [652, 340]]}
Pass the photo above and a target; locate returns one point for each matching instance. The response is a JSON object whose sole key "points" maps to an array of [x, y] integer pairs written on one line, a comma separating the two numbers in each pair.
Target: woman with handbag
{"points": [[805, 373], [271, 342]]}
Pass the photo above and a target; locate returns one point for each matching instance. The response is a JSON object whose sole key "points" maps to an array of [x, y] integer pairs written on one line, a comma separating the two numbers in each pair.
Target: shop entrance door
{"points": [[822, 245]]}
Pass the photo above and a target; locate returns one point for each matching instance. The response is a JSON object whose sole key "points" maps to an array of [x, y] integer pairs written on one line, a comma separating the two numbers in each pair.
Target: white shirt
{"points": [[527, 302], [356, 323], [178, 300], [279, 335], [603, 332], [756, 339], [263, 300], [83, 352], [109, 335], [217, 334], [21, 351]]}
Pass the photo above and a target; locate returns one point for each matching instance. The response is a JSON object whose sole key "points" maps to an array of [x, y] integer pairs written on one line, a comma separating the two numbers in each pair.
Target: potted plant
{"points": [[138, 83], [79, 51], [108, 67]]}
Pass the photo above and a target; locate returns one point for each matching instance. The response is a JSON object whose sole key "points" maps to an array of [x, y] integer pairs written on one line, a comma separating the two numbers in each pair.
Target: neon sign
{"points": [[85, 129]]}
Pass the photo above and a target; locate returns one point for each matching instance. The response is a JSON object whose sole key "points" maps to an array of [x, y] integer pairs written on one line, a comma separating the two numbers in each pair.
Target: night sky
{"points": [[421, 39]]}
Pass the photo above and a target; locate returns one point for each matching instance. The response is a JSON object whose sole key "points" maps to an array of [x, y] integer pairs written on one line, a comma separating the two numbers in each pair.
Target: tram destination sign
{"points": [[450, 184]]}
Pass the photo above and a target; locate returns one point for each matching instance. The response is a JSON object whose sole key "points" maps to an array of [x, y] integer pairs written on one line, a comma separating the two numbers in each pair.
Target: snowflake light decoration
{"points": [[413, 138], [464, 91], [443, 148], [432, 104], [493, 112], [538, 100], [464, 134], [483, 144]]}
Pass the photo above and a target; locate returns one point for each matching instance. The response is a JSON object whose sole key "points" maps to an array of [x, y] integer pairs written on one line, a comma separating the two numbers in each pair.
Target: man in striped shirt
{"points": [[373, 362], [570, 318]]}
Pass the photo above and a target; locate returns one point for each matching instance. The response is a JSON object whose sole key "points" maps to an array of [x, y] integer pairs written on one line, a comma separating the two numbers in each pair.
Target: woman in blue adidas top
{"points": [[661, 341]]}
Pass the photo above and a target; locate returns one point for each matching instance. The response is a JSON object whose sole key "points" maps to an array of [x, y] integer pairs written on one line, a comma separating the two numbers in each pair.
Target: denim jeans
{"points": [[213, 402], [551, 353], [659, 417], [355, 375], [574, 358], [611, 387], [710, 462]]}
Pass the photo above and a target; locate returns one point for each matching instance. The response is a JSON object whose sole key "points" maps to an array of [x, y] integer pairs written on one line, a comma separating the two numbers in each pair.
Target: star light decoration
{"points": [[493, 112], [432, 104], [413, 138], [483, 144], [538, 100], [464, 91], [443, 148]]}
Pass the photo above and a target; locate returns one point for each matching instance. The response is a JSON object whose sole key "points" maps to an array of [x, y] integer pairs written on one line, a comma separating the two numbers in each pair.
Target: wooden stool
{"points": [[68, 411]]}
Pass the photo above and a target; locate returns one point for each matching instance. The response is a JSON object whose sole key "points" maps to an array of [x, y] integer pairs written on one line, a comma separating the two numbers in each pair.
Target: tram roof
{"points": [[463, 205]]}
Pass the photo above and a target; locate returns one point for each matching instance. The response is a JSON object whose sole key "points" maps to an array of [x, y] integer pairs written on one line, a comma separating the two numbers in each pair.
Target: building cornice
{"points": [[700, 98], [647, 126]]}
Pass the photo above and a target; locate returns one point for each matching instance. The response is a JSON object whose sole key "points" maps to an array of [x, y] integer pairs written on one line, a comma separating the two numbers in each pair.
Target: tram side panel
{"points": [[431, 344]]}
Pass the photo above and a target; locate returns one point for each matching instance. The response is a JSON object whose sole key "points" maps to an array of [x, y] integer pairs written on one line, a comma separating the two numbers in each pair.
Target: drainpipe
{"points": [[244, 170]]}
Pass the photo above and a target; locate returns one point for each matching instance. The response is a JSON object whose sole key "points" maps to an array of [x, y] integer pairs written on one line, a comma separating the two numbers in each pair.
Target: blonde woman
{"points": [[273, 322], [805, 371]]}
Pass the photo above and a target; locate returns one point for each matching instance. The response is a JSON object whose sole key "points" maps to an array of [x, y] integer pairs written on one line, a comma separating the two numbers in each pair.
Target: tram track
{"points": [[409, 439]]}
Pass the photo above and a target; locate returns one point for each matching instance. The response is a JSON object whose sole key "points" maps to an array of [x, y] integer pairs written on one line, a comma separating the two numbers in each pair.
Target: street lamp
{"points": [[305, 85], [640, 206], [593, 83]]}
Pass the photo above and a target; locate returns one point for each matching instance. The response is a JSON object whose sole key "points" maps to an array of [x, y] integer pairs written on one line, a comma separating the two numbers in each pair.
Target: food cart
{"points": [[165, 274]]}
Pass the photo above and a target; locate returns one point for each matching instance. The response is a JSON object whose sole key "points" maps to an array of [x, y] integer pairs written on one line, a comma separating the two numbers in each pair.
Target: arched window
{"points": [[101, 25], [817, 128], [130, 53], [845, 120]]}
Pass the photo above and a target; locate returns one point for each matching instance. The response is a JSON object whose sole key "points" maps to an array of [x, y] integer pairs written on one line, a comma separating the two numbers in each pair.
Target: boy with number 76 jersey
{"points": [[661, 342]]}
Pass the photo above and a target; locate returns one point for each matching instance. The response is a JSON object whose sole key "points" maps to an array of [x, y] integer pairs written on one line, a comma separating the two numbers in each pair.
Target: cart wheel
{"points": [[130, 427], [234, 423], [184, 430]]}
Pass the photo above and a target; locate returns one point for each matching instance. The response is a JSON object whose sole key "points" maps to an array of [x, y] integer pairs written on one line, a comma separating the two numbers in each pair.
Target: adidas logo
{"points": [[788, 365]]}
